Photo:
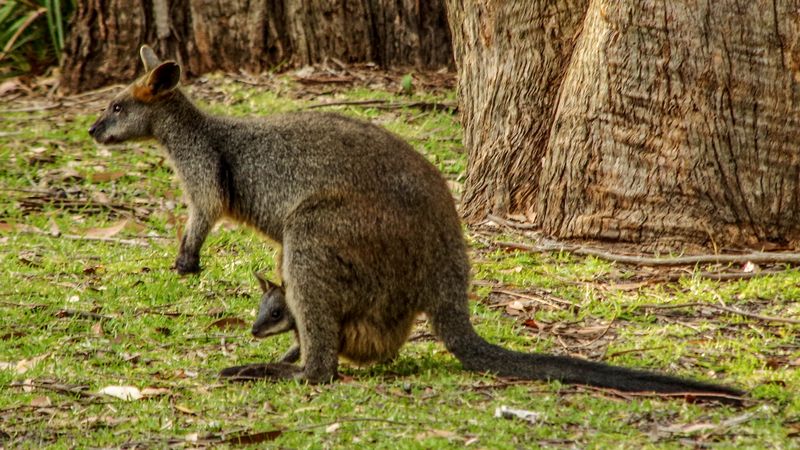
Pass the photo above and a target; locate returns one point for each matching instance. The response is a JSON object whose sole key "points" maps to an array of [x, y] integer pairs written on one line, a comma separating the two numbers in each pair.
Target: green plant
{"points": [[32, 34]]}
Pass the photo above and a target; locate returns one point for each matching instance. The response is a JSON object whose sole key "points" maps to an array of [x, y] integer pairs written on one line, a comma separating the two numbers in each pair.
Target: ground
{"points": [[90, 307]]}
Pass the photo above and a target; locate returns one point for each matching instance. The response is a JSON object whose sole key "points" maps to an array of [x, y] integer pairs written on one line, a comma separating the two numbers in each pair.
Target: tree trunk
{"points": [[205, 35], [510, 58], [678, 123], [675, 123]]}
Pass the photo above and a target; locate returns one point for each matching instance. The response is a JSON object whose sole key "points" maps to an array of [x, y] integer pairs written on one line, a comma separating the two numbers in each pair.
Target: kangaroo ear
{"points": [[160, 80], [164, 78], [149, 58]]}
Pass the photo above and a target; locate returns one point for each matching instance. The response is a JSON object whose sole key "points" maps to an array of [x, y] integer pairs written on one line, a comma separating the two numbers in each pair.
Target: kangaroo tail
{"points": [[460, 338]]}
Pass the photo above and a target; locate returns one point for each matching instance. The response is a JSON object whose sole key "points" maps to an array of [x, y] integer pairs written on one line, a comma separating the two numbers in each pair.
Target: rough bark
{"points": [[233, 35], [510, 58], [677, 122]]}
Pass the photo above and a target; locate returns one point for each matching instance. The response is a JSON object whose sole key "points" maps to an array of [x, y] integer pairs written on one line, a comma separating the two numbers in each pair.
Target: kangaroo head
{"points": [[131, 113]]}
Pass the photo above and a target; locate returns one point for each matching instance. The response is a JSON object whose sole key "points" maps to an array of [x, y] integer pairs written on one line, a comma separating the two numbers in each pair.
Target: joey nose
{"points": [[92, 129]]}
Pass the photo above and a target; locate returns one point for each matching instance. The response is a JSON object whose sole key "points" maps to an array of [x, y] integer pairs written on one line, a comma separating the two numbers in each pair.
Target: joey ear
{"points": [[149, 58], [263, 282]]}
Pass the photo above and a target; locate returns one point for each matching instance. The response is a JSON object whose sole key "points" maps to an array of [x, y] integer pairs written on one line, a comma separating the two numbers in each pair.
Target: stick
{"points": [[535, 299], [81, 314], [722, 308], [754, 257], [346, 103], [87, 238]]}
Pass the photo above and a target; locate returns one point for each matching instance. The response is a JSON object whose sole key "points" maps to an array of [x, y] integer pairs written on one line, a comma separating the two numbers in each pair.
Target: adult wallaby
{"points": [[369, 231]]}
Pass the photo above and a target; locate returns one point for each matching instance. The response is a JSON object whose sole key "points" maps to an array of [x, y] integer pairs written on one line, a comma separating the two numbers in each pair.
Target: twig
{"points": [[754, 257], [722, 308], [31, 108], [718, 276], [633, 350], [725, 398], [346, 103], [87, 238], [81, 314], [61, 388], [384, 104], [535, 299]]}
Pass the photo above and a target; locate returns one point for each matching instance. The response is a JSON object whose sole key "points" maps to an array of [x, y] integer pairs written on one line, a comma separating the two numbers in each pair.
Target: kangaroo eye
{"points": [[116, 108], [276, 313]]}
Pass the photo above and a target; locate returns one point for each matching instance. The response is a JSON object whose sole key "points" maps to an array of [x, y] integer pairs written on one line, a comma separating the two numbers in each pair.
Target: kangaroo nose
{"points": [[92, 129]]}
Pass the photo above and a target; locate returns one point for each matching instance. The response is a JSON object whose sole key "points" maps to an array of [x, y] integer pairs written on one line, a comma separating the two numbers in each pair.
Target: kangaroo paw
{"points": [[186, 266]]}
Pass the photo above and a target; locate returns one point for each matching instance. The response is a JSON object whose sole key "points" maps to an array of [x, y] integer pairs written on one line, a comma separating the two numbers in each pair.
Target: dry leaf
{"points": [[155, 392], [41, 402], [28, 364], [9, 86], [332, 428], [108, 231], [101, 177], [97, 329], [99, 197], [510, 413], [227, 323], [436, 433], [185, 410], [515, 308], [127, 393]]}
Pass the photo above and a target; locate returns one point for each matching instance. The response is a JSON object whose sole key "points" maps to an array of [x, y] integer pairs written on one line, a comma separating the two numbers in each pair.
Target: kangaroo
{"points": [[369, 231], [274, 316]]}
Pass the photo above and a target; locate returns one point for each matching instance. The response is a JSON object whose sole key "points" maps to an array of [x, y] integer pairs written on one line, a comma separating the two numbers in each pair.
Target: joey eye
{"points": [[276, 313], [116, 108]]}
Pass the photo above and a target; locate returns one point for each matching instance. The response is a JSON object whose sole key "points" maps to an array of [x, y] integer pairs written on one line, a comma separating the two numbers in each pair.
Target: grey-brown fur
{"points": [[369, 230]]}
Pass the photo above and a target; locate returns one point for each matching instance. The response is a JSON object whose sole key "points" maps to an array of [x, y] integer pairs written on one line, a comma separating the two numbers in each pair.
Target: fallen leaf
{"points": [[9, 86], [435, 434], [515, 308], [185, 410], [126, 393], [62, 174], [28, 364], [100, 197], [101, 177], [106, 232], [332, 428], [97, 329], [39, 155], [530, 323], [155, 392], [228, 323], [505, 412], [41, 402]]}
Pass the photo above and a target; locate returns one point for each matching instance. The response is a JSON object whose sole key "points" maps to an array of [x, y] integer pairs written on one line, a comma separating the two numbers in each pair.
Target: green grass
{"points": [[160, 332], [32, 35]]}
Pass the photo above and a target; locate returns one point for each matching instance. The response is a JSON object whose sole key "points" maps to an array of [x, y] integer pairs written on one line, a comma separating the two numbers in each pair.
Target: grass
{"points": [[81, 315], [32, 35]]}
